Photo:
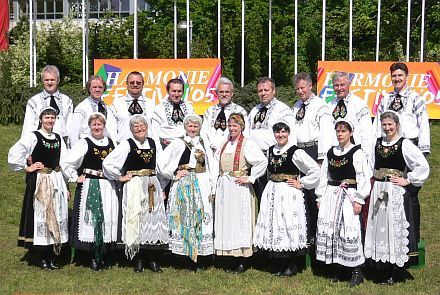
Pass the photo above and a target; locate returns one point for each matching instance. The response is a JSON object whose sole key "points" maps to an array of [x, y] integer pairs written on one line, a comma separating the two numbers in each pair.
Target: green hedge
{"points": [[13, 100]]}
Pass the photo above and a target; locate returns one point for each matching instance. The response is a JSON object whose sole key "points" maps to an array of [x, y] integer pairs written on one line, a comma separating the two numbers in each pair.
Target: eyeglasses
{"points": [[135, 83]]}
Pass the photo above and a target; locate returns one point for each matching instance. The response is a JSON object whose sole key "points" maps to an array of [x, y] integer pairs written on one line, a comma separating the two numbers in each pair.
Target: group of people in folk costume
{"points": [[280, 180]]}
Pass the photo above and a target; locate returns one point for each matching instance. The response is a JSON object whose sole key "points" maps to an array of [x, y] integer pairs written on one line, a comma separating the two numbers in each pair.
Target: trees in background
{"points": [[59, 43]]}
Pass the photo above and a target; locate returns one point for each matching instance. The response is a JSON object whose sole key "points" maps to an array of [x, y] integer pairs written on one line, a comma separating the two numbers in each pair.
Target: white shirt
{"points": [[359, 115], [42, 100], [168, 161], [252, 154], [80, 127], [413, 117], [72, 161], [305, 164], [316, 124], [363, 174], [120, 109], [262, 133], [414, 159], [217, 136], [23, 148], [163, 127]]}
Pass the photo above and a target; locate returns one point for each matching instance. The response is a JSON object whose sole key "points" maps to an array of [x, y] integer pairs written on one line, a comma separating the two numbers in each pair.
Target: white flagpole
{"points": [[31, 43], [84, 41], [242, 43], [188, 53], [408, 28], [135, 30], [218, 28], [175, 29], [296, 37], [87, 38], [34, 36], [422, 33], [350, 46], [378, 31], [323, 30], [270, 38]]}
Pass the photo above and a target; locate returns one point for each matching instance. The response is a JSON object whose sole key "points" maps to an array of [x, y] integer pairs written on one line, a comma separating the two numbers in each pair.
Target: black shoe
{"points": [[240, 269], [356, 277], [193, 266], [53, 264], [154, 267], [138, 266], [388, 281], [94, 265], [105, 265], [290, 271], [45, 264]]}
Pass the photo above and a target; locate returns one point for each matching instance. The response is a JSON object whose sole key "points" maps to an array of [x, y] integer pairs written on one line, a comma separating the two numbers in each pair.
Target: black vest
{"points": [[95, 155], [138, 159], [341, 167], [184, 159], [282, 163], [389, 156], [47, 151]]}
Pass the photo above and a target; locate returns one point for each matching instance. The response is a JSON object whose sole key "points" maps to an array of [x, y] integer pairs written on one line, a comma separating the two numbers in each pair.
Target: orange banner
{"points": [[371, 80], [198, 75]]}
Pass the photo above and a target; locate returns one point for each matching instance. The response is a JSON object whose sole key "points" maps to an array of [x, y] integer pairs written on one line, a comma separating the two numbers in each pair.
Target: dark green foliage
{"points": [[59, 43]]}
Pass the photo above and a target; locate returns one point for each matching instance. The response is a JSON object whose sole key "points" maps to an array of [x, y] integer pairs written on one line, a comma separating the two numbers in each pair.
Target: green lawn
{"points": [[17, 277]]}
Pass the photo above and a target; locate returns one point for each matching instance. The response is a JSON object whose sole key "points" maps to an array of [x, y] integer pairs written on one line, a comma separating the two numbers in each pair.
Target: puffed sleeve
{"points": [[20, 151], [212, 167], [72, 161], [111, 125], [68, 114], [308, 166], [322, 186], [78, 118], [286, 115], [168, 160], [363, 175], [30, 117], [156, 121], [205, 129], [326, 131], [114, 162], [416, 162], [256, 158], [366, 130], [423, 123]]}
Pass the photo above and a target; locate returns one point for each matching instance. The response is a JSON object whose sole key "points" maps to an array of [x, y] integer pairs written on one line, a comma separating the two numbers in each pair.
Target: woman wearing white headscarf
{"points": [[188, 163]]}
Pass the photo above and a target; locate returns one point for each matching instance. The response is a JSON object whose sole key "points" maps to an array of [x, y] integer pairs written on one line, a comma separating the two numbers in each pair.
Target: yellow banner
{"points": [[371, 80], [198, 75]]}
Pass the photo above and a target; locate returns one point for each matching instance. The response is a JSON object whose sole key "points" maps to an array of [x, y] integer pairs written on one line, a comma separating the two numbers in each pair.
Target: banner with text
{"points": [[372, 80], [198, 75]]}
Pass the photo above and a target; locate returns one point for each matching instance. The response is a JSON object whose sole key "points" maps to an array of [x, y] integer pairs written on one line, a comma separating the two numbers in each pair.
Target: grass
{"points": [[17, 277]]}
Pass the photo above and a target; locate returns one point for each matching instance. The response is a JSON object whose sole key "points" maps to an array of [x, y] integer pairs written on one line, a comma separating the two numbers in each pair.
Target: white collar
{"points": [[280, 150]]}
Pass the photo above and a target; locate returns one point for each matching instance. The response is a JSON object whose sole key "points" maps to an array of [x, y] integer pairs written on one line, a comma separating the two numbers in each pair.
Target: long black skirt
{"points": [[26, 231]]}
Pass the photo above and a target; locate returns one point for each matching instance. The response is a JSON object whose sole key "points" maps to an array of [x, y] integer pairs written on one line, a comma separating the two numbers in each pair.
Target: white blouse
{"points": [[23, 148], [73, 160], [252, 154], [168, 160], [414, 159], [363, 174], [305, 164]]}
